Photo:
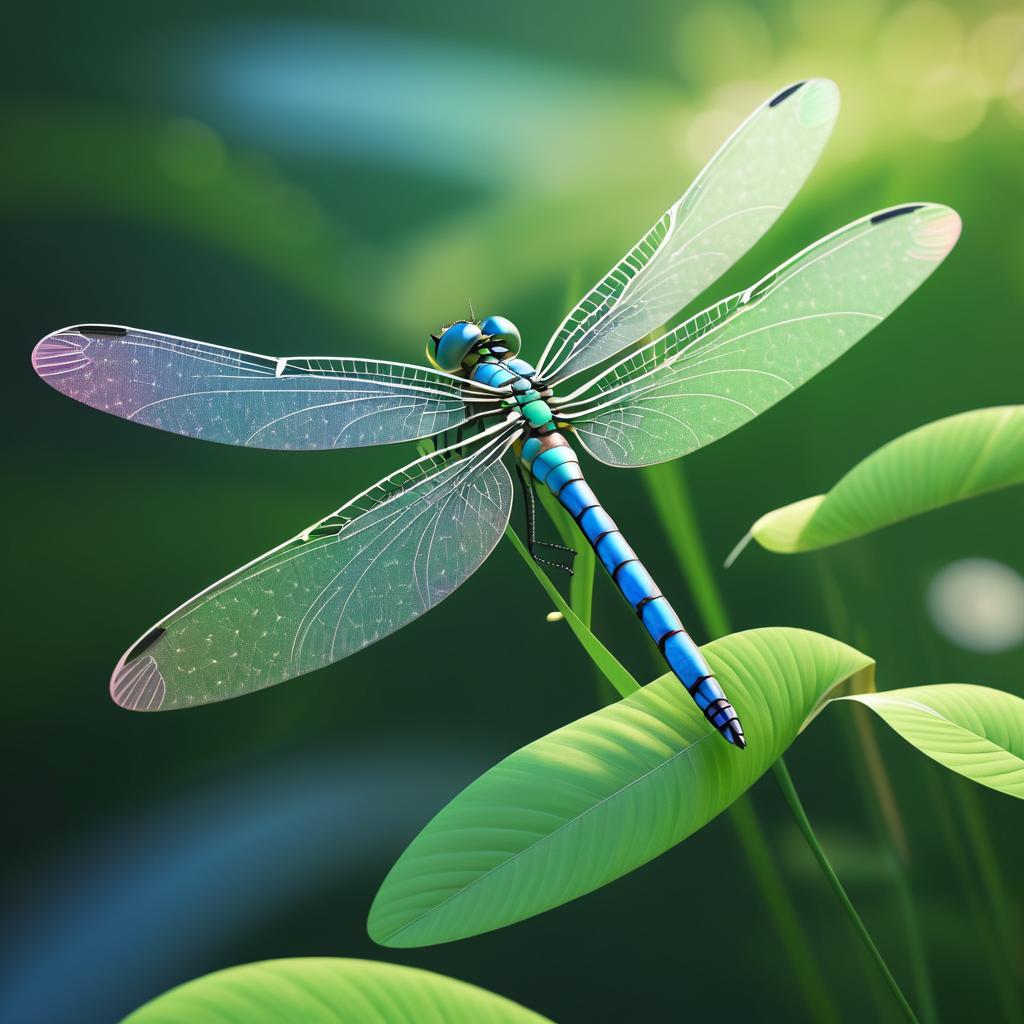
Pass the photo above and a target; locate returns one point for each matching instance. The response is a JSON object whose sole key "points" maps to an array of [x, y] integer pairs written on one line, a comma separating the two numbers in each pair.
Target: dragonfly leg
{"points": [[532, 544], [442, 440], [436, 441]]}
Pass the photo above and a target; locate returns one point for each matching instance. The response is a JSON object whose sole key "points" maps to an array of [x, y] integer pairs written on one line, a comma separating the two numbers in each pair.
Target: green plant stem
{"points": [[672, 501], [600, 656], [773, 891], [670, 496], [581, 584], [742, 814], [880, 799], [993, 952], [1001, 907], [880, 784], [996, 920], [881, 805], [915, 946], [785, 782]]}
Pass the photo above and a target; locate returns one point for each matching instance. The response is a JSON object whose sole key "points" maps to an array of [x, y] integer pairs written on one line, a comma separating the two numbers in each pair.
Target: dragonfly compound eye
{"points": [[454, 344], [501, 332]]}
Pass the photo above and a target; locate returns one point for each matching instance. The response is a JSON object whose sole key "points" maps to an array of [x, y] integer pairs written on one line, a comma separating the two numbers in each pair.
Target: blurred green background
{"points": [[314, 178]]}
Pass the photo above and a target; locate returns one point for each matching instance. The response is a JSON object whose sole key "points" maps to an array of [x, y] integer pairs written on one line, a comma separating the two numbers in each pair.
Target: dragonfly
{"points": [[612, 381]]}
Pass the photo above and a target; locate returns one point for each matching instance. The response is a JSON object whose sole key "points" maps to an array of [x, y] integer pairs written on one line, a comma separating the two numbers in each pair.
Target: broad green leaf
{"points": [[974, 731], [329, 991], [610, 666], [597, 798], [935, 465]]}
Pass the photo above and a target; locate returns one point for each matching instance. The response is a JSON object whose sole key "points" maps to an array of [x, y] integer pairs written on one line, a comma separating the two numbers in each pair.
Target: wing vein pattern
{"points": [[382, 560], [732, 203], [730, 362], [242, 398]]}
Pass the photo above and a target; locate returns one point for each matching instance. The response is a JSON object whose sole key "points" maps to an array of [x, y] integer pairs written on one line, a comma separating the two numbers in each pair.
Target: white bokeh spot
{"points": [[978, 604]]}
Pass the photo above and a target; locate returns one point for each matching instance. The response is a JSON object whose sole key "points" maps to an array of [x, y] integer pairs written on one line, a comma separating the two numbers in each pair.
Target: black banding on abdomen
{"points": [[582, 512], [569, 482], [621, 566], [696, 684], [665, 637], [638, 588]]}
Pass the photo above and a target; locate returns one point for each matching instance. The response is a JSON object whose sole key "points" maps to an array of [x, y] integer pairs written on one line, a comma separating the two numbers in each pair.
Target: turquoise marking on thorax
{"points": [[516, 372], [536, 412]]}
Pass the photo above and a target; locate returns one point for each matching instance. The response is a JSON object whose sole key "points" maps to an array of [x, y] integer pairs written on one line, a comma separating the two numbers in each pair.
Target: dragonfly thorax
{"points": [[518, 377]]}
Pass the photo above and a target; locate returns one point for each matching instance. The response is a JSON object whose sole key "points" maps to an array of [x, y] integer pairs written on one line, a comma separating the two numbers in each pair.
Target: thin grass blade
{"points": [[610, 666]]}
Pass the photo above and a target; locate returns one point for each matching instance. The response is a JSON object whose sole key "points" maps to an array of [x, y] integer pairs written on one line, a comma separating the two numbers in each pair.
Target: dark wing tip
{"points": [[145, 643], [63, 351], [896, 211], [104, 330], [786, 93]]}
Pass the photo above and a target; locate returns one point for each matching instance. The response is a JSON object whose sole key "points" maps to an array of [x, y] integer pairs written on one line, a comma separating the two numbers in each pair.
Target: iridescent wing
{"points": [[223, 394], [733, 202], [729, 363], [351, 579]]}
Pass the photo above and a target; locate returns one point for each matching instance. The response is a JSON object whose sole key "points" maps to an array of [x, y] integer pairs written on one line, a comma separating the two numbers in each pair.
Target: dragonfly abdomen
{"points": [[553, 463]]}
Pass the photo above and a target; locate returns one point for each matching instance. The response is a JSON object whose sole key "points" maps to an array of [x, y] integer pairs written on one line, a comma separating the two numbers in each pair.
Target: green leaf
{"points": [[974, 731], [610, 666], [329, 991], [935, 465], [595, 799]]}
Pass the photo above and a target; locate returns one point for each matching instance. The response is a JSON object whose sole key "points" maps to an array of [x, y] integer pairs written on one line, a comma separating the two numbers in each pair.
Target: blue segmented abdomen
{"points": [[553, 463]]}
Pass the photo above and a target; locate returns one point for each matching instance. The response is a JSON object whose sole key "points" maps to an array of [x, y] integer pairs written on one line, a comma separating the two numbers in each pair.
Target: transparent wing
{"points": [[729, 363], [733, 202], [223, 394], [373, 566]]}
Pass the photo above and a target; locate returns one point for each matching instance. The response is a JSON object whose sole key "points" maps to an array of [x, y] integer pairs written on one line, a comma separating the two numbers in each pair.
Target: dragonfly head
{"points": [[465, 342]]}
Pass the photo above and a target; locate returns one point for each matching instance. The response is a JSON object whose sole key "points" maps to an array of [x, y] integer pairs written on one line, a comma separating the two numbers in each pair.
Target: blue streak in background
{"points": [[119, 919], [482, 115]]}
